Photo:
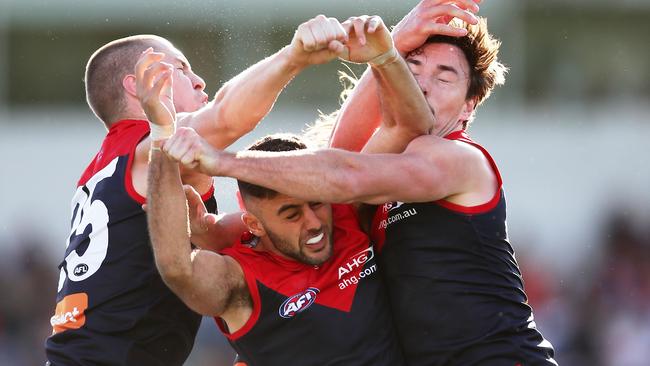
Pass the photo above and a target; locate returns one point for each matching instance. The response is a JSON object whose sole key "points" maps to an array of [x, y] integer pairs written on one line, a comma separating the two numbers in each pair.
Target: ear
{"points": [[468, 110], [254, 224], [128, 83]]}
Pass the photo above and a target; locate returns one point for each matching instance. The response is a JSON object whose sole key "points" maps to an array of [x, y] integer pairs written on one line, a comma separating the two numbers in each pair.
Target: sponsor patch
{"points": [[70, 313]]}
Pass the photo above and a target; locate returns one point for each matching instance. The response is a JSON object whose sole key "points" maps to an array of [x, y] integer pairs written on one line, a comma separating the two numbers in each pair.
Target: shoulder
{"points": [[441, 149]]}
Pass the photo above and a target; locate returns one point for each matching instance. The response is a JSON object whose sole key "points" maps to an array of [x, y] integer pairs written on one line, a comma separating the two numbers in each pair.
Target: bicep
{"points": [[426, 171]]}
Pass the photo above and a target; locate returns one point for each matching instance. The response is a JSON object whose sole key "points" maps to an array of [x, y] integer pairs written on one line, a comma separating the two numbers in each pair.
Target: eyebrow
{"points": [[448, 68], [287, 207]]}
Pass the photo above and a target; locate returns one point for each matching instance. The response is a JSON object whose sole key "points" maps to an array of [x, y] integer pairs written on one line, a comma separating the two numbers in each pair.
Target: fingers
{"points": [[210, 219], [321, 30], [470, 5], [451, 11], [317, 33], [336, 47], [358, 26], [305, 36], [184, 147], [444, 29], [145, 62], [162, 76], [194, 200], [373, 23]]}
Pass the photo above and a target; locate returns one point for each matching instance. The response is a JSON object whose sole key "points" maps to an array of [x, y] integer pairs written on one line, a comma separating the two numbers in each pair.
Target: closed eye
{"points": [[413, 61], [292, 216]]}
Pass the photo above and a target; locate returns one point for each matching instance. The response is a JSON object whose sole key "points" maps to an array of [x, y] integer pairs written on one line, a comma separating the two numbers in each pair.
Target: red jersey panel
{"points": [[333, 314]]}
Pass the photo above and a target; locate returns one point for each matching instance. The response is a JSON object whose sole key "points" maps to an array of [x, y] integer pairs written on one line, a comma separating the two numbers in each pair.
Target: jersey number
{"points": [[89, 213]]}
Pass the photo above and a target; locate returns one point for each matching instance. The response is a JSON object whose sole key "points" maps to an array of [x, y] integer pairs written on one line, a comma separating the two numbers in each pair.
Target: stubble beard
{"points": [[285, 247]]}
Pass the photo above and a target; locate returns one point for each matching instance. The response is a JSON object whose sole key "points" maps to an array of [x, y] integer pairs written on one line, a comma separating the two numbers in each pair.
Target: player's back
{"points": [[112, 306]]}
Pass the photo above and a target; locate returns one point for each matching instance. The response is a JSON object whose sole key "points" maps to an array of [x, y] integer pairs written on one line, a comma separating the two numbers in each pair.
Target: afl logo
{"points": [[298, 303], [80, 269]]}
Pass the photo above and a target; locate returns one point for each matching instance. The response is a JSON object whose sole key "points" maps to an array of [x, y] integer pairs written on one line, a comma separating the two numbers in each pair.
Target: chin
{"points": [[321, 257]]}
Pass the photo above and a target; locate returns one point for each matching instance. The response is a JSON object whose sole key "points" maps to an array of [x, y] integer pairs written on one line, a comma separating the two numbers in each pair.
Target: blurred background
{"points": [[569, 131]]}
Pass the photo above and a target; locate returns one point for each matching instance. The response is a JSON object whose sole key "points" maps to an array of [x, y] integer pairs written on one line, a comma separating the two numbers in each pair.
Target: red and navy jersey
{"points": [[455, 288], [333, 314], [112, 305]]}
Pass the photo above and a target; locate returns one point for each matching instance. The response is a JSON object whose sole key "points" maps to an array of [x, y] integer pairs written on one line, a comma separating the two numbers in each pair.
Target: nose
{"points": [[199, 84], [312, 222], [422, 85]]}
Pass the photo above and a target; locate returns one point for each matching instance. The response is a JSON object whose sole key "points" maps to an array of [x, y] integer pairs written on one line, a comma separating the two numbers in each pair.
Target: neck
{"points": [[447, 128]]}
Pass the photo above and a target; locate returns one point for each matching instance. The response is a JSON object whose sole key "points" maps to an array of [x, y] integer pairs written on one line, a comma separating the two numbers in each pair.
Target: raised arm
{"points": [[405, 111], [204, 280], [244, 100], [361, 113]]}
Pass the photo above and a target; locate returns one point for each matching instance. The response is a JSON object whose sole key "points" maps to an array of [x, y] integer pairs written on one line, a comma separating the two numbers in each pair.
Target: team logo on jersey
{"points": [[391, 206], [298, 303]]}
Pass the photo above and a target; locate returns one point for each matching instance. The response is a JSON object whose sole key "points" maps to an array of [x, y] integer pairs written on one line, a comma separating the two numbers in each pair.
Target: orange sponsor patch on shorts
{"points": [[70, 313]]}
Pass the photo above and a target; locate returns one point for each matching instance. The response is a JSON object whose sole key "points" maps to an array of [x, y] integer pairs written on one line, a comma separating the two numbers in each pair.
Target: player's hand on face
{"points": [[154, 87], [368, 38], [318, 41], [191, 150], [432, 17]]}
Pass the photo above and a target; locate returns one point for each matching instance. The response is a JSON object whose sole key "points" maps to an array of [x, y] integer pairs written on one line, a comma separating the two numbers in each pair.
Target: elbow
{"points": [[173, 274]]}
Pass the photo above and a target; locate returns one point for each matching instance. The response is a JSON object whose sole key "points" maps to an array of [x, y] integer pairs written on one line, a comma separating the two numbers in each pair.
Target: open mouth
{"points": [[315, 239]]}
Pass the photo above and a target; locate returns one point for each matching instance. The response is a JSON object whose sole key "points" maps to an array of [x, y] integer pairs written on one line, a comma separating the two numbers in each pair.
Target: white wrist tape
{"points": [[386, 57], [161, 132]]}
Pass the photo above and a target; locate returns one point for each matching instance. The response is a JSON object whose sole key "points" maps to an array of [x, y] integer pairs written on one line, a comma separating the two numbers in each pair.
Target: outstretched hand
{"points": [[200, 219], [154, 88], [432, 17]]}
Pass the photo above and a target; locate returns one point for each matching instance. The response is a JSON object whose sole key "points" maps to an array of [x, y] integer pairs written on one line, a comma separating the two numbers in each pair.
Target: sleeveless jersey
{"points": [[455, 288], [333, 314], [112, 305]]}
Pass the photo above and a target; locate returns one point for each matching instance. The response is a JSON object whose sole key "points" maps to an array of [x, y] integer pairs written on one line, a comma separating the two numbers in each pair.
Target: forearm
{"points": [[167, 220], [359, 117], [244, 100], [330, 175], [402, 102]]}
